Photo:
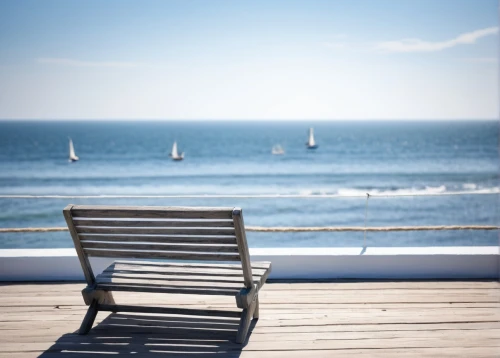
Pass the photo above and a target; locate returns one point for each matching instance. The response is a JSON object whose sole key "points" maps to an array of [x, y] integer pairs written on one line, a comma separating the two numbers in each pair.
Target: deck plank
{"points": [[341, 319]]}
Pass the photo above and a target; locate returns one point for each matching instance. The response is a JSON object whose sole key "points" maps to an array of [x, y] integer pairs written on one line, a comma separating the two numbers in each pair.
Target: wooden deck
{"points": [[343, 319]]}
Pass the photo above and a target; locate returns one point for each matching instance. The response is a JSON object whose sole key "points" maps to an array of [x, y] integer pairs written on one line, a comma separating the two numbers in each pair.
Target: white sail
{"points": [[72, 155], [277, 150], [311, 142], [174, 153]]}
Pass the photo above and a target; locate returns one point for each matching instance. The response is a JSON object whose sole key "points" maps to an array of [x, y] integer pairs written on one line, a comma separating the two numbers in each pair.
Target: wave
{"points": [[467, 188], [196, 190], [402, 191]]}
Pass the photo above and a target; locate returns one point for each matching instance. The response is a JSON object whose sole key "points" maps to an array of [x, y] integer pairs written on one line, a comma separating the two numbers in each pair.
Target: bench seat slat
{"points": [[255, 264], [150, 212], [186, 280], [169, 283], [161, 255], [163, 247], [177, 290], [174, 277], [155, 231], [155, 223], [192, 271], [161, 239]]}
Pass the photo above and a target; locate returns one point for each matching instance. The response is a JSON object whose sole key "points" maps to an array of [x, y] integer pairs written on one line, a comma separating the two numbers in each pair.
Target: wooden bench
{"points": [[216, 235]]}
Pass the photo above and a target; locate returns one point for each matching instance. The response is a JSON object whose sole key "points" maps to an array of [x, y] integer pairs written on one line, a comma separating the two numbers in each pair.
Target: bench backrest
{"points": [[153, 232]]}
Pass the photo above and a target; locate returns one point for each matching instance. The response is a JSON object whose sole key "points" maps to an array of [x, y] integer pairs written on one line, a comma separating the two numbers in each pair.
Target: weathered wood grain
{"points": [[200, 231], [239, 228], [89, 318], [161, 255], [84, 262], [150, 212], [159, 247], [178, 277], [154, 223], [143, 345], [221, 239], [445, 352], [185, 290], [163, 239], [182, 270], [245, 321], [255, 265], [164, 282], [32, 326]]}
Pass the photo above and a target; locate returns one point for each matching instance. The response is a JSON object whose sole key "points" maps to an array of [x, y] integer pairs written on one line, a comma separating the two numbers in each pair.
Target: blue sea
{"points": [[234, 158]]}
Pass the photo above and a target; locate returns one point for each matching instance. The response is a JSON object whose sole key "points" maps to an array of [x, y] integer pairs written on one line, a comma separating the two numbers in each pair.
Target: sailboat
{"points": [[72, 155], [174, 155], [311, 144], [277, 150]]}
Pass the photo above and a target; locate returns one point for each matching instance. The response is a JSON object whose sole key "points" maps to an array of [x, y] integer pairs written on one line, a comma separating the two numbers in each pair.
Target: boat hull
{"points": [[312, 146]]}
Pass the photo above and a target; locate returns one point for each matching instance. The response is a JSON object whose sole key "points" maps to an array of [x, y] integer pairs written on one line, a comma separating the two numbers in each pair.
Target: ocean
{"points": [[234, 158]]}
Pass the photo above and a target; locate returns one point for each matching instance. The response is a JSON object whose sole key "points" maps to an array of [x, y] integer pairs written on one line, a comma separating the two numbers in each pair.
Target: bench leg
{"points": [[89, 318], [245, 321], [256, 311]]}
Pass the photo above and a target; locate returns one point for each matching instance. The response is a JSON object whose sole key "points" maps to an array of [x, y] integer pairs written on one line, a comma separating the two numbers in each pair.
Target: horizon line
{"points": [[245, 119]]}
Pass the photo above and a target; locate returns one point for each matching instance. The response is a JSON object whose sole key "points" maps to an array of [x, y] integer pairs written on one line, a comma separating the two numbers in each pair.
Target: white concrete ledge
{"points": [[475, 262]]}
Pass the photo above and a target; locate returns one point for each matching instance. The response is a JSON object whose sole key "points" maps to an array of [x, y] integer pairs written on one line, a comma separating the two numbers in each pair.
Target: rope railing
{"points": [[304, 229], [242, 196], [273, 196]]}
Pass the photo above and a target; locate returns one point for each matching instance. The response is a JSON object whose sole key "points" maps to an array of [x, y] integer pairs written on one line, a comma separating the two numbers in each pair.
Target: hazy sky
{"points": [[208, 59]]}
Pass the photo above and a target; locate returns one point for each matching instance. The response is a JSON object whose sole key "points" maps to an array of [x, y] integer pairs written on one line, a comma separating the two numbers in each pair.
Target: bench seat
{"points": [[183, 278]]}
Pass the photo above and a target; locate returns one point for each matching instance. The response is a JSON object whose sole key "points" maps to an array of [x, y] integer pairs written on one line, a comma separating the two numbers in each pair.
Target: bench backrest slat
{"points": [[154, 223], [176, 233], [159, 238], [150, 212]]}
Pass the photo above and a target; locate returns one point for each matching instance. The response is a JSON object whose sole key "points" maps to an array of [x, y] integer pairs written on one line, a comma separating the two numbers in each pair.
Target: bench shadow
{"points": [[153, 335]]}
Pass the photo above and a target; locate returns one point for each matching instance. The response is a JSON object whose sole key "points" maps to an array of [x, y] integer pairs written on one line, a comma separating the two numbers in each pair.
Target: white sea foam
{"points": [[403, 191], [261, 190], [493, 190], [468, 188], [348, 192]]}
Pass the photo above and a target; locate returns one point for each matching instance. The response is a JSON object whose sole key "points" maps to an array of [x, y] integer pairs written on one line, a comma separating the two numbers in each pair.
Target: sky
{"points": [[233, 60]]}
